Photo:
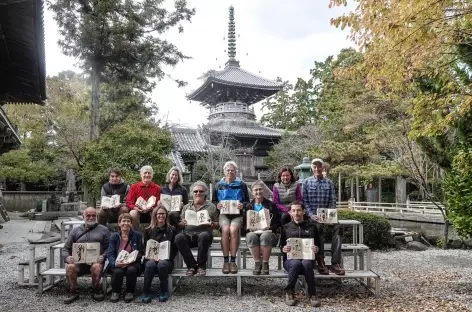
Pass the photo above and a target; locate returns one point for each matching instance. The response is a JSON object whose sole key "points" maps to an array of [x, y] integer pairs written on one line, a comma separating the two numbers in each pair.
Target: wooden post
{"points": [[380, 190], [339, 187], [357, 189], [352, 187]]}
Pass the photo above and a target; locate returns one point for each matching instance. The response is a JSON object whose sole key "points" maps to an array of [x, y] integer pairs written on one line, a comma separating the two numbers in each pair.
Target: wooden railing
{"points": [[408, 207]]}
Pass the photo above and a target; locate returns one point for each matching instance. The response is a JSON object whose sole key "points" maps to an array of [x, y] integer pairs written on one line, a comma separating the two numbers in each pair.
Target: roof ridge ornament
{"points": [[231, 34]]}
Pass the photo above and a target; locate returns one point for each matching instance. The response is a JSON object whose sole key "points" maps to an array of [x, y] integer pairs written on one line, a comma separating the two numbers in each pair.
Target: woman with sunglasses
{"points": [[160, 231]]}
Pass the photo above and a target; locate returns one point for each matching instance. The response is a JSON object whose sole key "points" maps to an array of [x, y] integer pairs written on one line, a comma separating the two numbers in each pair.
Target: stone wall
{"points": [[24, 201]]}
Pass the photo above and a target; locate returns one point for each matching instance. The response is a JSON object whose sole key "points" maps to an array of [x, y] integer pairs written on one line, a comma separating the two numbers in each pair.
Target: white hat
{"points": [[319, 160]]}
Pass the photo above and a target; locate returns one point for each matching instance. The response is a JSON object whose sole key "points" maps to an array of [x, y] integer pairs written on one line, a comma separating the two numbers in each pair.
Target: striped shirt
{"points": [[318, 193]]}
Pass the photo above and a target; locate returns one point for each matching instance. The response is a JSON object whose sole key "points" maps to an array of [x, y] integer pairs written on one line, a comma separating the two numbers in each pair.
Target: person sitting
{"points": [[89, 232], [174, 187], [128, 240], [114, 186], [199, 236], [230, 188], [299, 227], [261, 241], [160, 231], [145, 189], [285, 191]]}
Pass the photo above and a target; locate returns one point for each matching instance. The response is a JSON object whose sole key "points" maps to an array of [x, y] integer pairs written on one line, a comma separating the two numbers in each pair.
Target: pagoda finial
{"points": [[231, 34]]}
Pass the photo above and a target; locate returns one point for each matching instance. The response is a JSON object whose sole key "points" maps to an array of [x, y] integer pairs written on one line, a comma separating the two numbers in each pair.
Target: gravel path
{"points": [[433, 280]]}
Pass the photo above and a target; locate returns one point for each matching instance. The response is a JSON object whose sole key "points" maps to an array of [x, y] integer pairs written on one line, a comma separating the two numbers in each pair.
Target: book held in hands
{"points": [[171, 202], [146, 204], [327, 215], [197, 218], [157, 251], [127, 257], [86, 252], [229, 207], [301, 248], [108, 202], [258, 220]]}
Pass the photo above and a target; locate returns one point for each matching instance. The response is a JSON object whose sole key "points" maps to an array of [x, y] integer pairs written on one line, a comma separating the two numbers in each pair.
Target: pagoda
{"points": [[229, 95]]}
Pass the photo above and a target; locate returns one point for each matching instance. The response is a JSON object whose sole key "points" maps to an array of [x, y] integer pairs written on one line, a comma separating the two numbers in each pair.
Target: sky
{"points": [[275, 38]]}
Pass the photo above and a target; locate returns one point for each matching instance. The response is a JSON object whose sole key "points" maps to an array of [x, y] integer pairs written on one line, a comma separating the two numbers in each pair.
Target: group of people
{"points": [[292, 214]]}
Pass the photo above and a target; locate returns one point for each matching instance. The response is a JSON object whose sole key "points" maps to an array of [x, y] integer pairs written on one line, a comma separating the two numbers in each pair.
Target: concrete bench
{"points": [[31, 274]]}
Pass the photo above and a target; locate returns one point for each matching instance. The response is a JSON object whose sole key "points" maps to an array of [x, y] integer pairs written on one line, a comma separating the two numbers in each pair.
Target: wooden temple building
{"points": [[229, 95], [22, 61]]}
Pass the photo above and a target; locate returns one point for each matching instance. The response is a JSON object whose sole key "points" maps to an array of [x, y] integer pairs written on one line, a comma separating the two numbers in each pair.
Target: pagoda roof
{"points": [[22, 53], [188, 140], [177, 161], [243, 128]]}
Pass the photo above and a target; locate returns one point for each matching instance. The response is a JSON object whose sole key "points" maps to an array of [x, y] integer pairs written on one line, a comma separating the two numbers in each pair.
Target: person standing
{"points": [[286, 191]]}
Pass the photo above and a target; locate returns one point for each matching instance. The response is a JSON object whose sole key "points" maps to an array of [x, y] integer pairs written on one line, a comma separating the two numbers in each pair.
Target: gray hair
{"points": [[146, 168], [179, 173], [258, 183], [202, 184], [230, 164]]}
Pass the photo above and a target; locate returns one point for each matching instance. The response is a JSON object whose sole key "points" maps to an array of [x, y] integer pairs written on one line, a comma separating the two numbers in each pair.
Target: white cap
{"points": [[319, 160]]}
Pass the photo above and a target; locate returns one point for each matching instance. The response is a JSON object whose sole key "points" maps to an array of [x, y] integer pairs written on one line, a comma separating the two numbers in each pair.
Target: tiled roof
{"points": [[187, 140], [177, 161], [243, 128]]}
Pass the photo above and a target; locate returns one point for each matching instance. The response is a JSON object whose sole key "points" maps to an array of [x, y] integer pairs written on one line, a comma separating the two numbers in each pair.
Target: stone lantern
{"points": [[304, 170]]}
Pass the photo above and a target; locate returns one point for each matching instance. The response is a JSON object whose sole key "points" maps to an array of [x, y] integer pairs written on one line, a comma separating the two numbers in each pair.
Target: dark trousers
{"points": [[336, 241], [203, 241], [131, 273], [285, 218], [162, 268], [296, 267], [174, 218]]}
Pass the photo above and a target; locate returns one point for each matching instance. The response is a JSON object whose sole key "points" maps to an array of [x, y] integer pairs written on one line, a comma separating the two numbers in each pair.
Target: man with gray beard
{"points": [[89, 232]]}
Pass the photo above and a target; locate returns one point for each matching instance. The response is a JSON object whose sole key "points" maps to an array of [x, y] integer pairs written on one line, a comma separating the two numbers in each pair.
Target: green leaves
{"points": [[18, 166]]}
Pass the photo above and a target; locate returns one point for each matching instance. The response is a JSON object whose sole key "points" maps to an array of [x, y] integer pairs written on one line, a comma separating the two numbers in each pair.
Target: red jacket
{"points": [[138, 189]]}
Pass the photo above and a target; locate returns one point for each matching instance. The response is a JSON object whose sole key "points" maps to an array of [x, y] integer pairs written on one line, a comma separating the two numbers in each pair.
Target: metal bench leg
{"points": [[21, 275], [279, 262], [244, 259], [170, 285], [377, 287], [104, 285], [238, 285]]}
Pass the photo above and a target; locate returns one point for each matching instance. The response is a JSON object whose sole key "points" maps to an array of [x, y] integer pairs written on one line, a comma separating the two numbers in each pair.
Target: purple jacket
{"points": [[283, 195]]}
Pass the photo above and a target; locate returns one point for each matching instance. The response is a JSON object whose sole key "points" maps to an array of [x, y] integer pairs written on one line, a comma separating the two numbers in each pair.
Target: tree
{"points": [[128, 146], [119, 41], [19, 166]]}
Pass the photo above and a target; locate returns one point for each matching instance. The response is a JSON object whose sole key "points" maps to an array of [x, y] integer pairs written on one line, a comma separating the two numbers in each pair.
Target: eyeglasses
{"points": [[198, 191]]}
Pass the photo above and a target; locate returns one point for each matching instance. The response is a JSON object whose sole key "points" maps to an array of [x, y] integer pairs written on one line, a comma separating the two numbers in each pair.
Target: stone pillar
{"points": [[400, 189]]}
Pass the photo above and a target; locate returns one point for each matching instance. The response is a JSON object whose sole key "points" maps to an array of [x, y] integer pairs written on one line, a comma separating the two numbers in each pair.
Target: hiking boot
{"points": [[313, 301], [97, 294], [265, 268], [233, 268], [337, 269], [145, 298], [115, 297], [71, 297], [163, 297], [129, 297], [257, 268], [225, 269], [322, 269], [289, 297]]}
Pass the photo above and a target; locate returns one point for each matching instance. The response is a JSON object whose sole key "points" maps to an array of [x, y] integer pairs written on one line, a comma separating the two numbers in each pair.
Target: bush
{"points": [[376, 229]]}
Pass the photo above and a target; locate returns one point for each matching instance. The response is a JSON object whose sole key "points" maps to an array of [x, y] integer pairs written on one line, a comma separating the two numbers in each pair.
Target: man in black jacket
{"points": [[114, 186], [299, 228]]}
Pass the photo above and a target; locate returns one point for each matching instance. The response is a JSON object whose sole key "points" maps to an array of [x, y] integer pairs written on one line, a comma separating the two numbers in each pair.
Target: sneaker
{"points": [[337, 269], [257, 268], [129, 297], [233, 268], [313, 301], [115, 297], [265, 268], [225, 269], [289, 297], [322, 267], [97, 294], [163, 297], [71, 298], [145, 298]]}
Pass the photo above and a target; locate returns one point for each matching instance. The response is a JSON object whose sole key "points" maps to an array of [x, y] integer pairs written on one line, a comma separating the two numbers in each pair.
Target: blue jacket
{"points": [[136, 242], [236, 190]]}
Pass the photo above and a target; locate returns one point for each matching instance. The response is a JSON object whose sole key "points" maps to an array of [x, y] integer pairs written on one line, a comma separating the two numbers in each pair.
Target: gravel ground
{"points": [[433, 280]]}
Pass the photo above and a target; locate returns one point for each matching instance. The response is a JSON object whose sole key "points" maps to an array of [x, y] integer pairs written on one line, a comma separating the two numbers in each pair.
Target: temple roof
{"points": [[8, 136], [177, 161], [22, 56], [188, 141], [243, 128]]}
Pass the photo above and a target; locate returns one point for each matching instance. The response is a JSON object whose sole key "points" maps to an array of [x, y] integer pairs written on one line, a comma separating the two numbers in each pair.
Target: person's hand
{"points": [[314, 248], [219, 206], [70, 260], [182, 223], [240, 206], [287, 248], [314, 218], [100, 259]]}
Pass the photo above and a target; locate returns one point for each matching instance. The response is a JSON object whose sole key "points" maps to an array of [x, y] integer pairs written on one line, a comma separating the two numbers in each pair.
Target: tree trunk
{"points": [[446, 232], [95, 103]]}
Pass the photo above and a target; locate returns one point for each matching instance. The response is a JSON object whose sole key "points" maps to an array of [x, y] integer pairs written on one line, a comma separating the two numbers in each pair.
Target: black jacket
{"points": [[304, 229], [273, 211], [177, 190], [161, 235]]}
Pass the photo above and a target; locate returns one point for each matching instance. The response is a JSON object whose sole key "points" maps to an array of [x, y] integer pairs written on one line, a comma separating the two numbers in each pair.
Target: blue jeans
{"points": [[163, 268], [295, 267]]}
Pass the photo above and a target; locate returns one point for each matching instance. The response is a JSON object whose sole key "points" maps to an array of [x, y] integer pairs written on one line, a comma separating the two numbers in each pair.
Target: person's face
{"points": [[317, 169], [230, 173], [161, 216], [174, 177], [90, 216], [125, 224], [198, 194], [285, 177], [297, 213], [146, 177], [258, 192], [115, 178]]}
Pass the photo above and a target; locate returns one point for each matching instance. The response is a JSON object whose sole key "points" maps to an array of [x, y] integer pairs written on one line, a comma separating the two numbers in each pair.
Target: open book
{"points": [[146, 204], [86, 252], [258, 221], [301, 248], [326, 215], [197, 217], [157, 251], [108, 202], [171, 202], [127, 257], [229, 207]]}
